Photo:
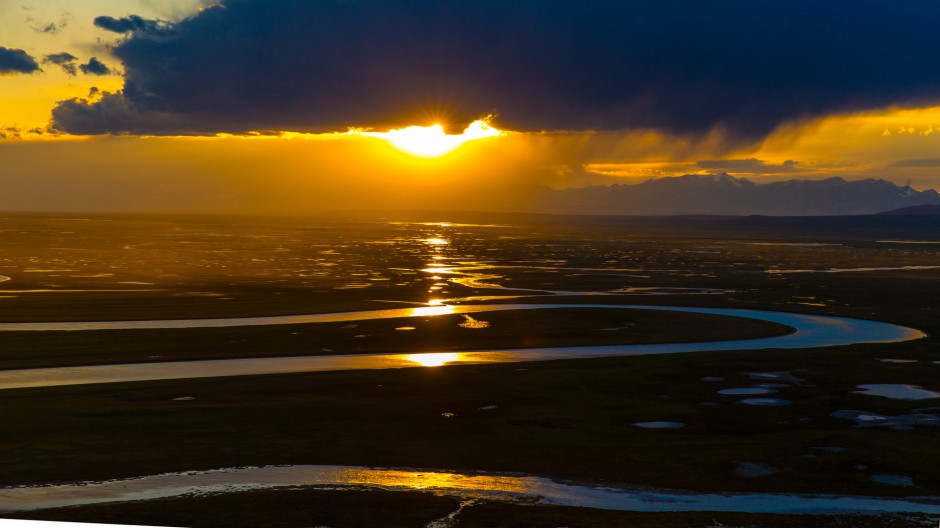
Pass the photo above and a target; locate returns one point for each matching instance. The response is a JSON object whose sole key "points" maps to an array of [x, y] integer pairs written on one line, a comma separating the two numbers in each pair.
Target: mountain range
{"points": [[914, 210], [722, 194]]}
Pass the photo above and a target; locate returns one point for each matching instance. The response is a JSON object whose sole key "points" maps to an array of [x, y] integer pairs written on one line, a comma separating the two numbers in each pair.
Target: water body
{"points": [[784, 376], [793, 244], [660, 425], [754, 469], [765, 402], [746, 391], [478, 485], [809, 331], [908, 241], [852, 270], [893, 360], [899, 422], [897, 391], [893, 480]]}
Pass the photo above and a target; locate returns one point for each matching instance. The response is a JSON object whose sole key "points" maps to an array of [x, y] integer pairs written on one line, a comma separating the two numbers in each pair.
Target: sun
{"points": [[426, 142], [432, 141]]}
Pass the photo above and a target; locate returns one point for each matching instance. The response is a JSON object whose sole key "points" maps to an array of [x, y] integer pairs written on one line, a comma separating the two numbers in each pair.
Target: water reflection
{"points": [[432, 311], [435, 359], [479, 275], [433, 480], [897, 391], [809, 331], [512, 488], [473, 324]]}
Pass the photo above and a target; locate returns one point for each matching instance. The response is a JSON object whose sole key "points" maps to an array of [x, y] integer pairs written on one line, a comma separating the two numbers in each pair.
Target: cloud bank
{"points": [[684, 66], [133, 23], [749, 166]]}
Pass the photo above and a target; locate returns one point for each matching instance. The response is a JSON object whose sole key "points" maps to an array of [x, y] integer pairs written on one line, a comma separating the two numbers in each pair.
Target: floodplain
{"points": [[572, 420]]}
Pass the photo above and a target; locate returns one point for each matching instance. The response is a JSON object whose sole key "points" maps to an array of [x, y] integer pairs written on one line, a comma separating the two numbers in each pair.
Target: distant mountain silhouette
{"points": [[915, 210], [721, 194]]}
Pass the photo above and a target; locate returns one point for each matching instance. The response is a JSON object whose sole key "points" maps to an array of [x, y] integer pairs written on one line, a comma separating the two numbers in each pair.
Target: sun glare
{"points": [[430, 311], [432, 141], [434, 360]]}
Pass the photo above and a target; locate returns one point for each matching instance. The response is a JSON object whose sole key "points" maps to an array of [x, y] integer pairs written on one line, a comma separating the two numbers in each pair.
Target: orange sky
{"points": [[289, 172], [308, 172]]}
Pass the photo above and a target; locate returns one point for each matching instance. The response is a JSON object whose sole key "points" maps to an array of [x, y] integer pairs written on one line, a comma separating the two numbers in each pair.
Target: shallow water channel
{"points": [[808, 331], [514, 488]]}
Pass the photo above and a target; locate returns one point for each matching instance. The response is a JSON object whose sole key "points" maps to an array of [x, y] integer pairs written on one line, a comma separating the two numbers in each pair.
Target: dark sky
{"points": [[685, 66]]}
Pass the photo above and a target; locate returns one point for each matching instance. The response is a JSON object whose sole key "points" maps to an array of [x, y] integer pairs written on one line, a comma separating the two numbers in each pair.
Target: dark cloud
{"points": [[64, 60], [133, 24], [685, 66], [749, 166], [13, 61], [10, 133], [50, 29], [68, 63], [15, 132], [94, 67], [109, 113]]}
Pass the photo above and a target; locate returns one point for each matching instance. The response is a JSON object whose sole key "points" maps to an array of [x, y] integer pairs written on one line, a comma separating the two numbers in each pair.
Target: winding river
{"points": [[503, 487], [808, 331]]}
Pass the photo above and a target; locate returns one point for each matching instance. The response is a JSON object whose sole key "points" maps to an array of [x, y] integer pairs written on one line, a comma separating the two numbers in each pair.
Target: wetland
{"points": [[570, 419]]}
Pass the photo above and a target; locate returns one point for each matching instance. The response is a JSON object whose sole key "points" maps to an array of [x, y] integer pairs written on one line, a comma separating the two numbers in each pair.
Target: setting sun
{"points": [[432, 141]]}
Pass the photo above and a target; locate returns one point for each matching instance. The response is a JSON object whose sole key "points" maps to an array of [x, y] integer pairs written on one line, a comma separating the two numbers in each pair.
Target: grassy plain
{"points": [[568, 419], [368, 509], [541, 328]]}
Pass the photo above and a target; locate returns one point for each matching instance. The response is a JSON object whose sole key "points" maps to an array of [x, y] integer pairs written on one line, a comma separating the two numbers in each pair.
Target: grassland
{"points": [[544, 328], [567, 419], [367, 509]]}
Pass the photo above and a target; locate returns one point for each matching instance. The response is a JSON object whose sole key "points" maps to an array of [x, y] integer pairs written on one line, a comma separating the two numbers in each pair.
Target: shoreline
{"points": [[810, 331]]}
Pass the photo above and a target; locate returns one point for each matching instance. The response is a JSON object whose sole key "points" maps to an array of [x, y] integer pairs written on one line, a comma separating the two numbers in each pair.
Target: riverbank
{"points": [[516, 417], [567, 419], [795, 331]]}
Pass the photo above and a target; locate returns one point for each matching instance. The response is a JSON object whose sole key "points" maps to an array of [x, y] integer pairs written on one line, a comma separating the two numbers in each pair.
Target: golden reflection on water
{"points": [[432, 310], [431, 480], [473, 324], [434, 360]]}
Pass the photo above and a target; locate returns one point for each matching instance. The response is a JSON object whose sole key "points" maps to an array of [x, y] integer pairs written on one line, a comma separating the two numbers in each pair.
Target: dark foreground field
{"points": [[566, 419], [368, 509]]}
